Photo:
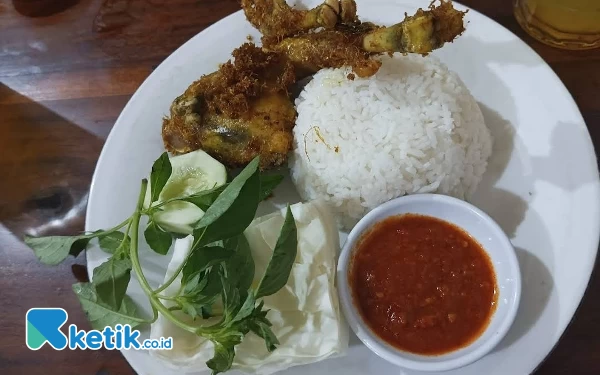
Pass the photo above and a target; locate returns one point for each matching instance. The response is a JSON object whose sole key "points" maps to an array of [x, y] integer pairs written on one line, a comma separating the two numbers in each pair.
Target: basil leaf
{"points": [[202, 282], [231, 300], [202, 258], [201, 292], [261, 326], [204, 199], [227, 198], [101, 315], [240, 267], [111, 279], [54, 249], [268, 184], [209, 287], [246, 309], [261, 314], [198, 281], [282, 260], [263, 330], [222, 359], [158, 240], [212, 288], [230, 337], [206, 311], [195, 308], [111, 242], [236, 218], [161, 171], [189, 309]]}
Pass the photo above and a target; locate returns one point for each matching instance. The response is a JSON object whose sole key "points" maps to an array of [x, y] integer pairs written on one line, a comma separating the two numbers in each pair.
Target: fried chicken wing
{"points": [[244, 109], [275, 19]]}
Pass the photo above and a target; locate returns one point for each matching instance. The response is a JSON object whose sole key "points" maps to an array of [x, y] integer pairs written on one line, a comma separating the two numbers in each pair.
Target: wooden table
{"points": [[67, 69]]}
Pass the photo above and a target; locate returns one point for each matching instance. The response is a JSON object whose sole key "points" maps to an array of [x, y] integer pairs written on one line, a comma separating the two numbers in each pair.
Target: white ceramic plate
{"points": [[542, 185]]}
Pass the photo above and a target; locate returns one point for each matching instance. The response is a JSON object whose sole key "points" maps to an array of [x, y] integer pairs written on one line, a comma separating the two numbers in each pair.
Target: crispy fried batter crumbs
{"points": [[449, 22], [328, 48], [275, 18], [351, 76], [252, 73]]}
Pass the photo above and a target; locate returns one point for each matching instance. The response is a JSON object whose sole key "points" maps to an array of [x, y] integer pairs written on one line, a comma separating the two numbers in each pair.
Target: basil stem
{"points": [[137, 268]]}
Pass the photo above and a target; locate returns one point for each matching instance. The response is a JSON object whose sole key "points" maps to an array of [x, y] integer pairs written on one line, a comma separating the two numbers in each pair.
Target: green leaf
{"points": [[54, 249], [213, 286], [158, 240], [200, 293], [229, 195], [208, 287], [204, 199], [222, 359], [195, 282], [230, 337], [231, 300], [240, 267], [202, 258], [237, 217], [189, 309], [263, 330], [259, 313], [111, 242], [101, 315], [161, 171], [111, 279], [206, 311], [279, 267], [261, 326], [246, 309], [268, 184], [194, 308]]}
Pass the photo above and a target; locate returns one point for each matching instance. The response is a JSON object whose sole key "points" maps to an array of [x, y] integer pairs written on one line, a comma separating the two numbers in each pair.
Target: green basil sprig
{"points": [[218, 267]]}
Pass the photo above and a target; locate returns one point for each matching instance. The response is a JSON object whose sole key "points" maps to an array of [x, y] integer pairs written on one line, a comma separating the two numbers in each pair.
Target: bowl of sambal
{"points": [[429, 282]]}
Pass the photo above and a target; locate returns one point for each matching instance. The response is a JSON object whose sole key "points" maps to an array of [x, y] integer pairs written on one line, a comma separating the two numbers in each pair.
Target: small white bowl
{"points": [[482, 228]]}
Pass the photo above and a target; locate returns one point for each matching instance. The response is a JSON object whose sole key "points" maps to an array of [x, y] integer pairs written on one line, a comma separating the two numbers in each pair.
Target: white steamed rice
{"points": [[412, 128]]}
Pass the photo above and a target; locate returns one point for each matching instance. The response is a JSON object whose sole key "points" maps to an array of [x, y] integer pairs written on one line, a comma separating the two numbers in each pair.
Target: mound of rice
{"points": [[412, 128]]}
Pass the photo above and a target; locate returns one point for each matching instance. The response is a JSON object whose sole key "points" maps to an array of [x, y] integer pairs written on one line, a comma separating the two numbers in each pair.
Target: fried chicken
{"points": [[244, 109], [355, 44], [240, 111], [275, 19], [327, 49]]}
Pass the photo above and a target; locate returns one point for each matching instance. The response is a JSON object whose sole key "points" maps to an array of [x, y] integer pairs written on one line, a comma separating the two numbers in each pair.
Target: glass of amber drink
{"points": [[568, 24]]}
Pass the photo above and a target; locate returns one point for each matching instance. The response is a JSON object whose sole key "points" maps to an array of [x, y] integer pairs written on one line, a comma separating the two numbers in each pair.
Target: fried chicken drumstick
{"points": [[244, 109], [237, 112]]}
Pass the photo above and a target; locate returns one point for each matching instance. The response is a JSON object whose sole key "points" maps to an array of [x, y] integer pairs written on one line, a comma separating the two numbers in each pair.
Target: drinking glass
{"points": [[568, 24]]}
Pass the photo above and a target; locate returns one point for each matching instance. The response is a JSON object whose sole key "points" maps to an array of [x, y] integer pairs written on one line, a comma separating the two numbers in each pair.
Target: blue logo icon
{"points": [[43, 326]]}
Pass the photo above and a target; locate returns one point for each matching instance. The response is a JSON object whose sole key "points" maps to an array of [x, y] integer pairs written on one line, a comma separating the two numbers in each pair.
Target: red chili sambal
{"points": [[422, 284]]}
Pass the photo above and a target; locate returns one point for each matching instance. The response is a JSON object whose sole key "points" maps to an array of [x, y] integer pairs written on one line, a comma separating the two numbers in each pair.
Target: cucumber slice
{"points": [[191, 173], [178, 217]]}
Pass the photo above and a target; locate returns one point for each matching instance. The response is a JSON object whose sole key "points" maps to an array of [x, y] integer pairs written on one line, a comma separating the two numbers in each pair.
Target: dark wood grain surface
{"points": [[67, 69]]}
